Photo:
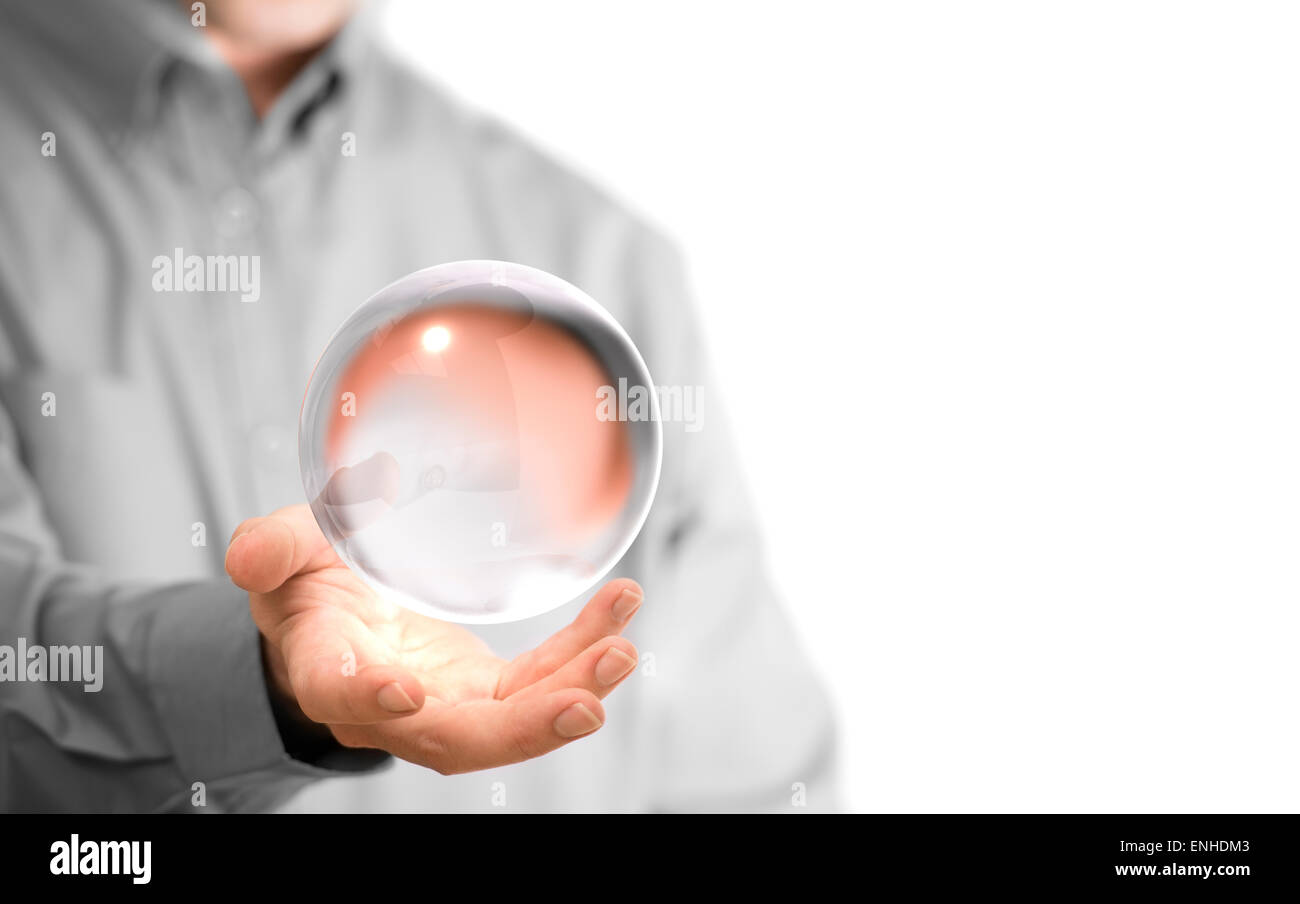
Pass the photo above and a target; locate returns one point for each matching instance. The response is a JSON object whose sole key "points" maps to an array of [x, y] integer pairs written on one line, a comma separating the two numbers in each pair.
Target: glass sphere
{"points": [[456, 450]]}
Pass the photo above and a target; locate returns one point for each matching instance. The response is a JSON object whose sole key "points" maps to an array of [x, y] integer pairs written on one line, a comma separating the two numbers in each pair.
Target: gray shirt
{"points": [[140, 425]]}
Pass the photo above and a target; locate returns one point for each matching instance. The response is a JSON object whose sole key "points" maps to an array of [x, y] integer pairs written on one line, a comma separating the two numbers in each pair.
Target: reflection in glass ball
{"points": [[453, 449]]}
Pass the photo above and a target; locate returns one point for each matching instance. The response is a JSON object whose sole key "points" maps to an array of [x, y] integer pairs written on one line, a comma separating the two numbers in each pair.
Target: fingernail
{"points": [[231, 548], [394, 699], [628, 602], [613, 666], [576, 720]]}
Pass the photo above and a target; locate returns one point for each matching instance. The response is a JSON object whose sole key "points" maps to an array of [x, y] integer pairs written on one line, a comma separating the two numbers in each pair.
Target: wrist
{"points": [[303, 739]]}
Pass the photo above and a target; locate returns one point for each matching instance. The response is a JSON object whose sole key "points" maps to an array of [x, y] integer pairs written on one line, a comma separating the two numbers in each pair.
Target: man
{"points": [[145, 418]]}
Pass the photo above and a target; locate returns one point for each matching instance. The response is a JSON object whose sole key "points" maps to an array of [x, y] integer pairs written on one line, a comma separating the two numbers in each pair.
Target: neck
{"points": [[265, 72]]}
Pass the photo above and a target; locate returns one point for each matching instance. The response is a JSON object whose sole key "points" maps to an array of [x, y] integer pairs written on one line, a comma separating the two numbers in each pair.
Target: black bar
{"points": [[376, 854]]}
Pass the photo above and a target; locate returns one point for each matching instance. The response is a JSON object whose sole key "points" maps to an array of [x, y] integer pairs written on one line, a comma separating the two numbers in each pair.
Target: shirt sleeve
{"points": [[170, 712], [738, 716]]}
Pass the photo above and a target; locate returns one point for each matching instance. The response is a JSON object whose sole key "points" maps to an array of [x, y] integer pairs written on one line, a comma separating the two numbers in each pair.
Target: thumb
{"points": [[266, 552]]}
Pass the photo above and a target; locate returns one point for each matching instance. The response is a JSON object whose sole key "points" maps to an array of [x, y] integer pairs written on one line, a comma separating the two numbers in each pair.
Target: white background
{"points": [[1003, 299]]}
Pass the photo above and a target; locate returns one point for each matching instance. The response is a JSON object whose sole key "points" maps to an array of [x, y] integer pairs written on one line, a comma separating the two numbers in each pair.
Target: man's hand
{"points": [[425, 690]]}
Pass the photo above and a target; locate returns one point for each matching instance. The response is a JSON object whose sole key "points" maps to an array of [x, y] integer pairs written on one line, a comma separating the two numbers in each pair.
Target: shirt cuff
{"points": [[206, 677]]}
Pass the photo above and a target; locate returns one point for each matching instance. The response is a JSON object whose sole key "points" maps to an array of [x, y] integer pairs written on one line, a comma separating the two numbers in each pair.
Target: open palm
{"points": [[426, 690]]}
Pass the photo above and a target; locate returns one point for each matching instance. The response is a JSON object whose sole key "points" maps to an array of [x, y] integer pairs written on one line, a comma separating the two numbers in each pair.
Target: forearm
{"points": [[181, 699]]}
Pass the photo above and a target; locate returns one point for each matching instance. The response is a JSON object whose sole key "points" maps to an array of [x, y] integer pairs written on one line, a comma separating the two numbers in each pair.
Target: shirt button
{"points": [[273, 446], [236, 213]]}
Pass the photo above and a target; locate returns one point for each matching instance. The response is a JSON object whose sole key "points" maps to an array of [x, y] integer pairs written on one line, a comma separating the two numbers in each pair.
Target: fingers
{"points": [[330, 679], [605, 615], [266, 552], [484, 734], [599, 669]]}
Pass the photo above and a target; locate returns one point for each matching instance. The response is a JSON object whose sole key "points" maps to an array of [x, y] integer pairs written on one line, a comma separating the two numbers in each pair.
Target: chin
{"points": [[282, 24]]}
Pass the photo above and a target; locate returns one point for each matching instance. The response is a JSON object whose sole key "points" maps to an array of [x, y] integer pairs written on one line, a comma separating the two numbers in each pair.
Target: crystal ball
{"points": [[466, 445]]}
